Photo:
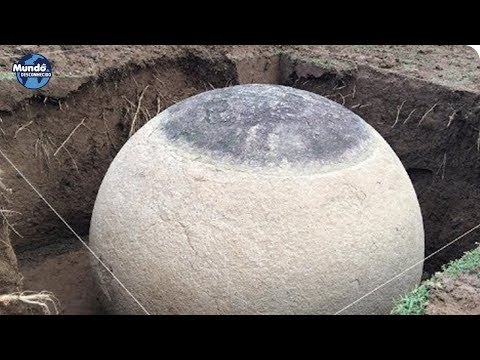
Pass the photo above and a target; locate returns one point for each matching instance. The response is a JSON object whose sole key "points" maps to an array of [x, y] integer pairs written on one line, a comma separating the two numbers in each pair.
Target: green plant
{"points": [[6, 75], [467, 262], [333, 64], [413, 303]]}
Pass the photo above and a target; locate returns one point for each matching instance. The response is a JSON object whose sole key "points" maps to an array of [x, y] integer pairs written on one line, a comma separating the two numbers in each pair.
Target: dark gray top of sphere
{"points": [[266, 124]]}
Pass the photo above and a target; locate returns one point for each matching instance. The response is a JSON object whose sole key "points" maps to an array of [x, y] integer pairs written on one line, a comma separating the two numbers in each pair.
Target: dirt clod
{"points": [[458, 296]]}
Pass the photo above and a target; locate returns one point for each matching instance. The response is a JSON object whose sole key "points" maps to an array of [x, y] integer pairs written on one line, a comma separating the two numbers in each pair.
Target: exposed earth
{"points": [[459, 296], [424, 100]]}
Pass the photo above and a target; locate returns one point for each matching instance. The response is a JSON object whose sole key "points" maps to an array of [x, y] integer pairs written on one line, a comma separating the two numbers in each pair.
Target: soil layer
{"points": [[456, 296], [425, 101]]}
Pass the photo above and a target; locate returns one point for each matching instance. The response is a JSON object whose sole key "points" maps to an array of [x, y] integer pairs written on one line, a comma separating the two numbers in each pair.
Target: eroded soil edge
{"points": [[433, 129]]}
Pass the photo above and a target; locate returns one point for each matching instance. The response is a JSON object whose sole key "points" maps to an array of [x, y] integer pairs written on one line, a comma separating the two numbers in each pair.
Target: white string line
{"points": [[408, 269], [123, 286], [74, 233]]}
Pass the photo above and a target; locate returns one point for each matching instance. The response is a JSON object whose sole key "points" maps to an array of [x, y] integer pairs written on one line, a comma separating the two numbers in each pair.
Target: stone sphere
{"points": [[256, 199]]}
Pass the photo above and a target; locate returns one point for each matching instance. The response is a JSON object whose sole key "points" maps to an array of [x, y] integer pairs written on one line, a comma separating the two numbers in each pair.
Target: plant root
{"points": [[45, 300]]}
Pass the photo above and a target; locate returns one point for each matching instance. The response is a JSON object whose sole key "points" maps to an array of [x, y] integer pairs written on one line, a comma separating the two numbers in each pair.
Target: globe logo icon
{"points": [[33, 71]]}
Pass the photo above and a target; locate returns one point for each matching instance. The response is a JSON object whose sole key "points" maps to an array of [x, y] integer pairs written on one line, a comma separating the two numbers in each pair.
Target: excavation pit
{"points": [[429, 117]]}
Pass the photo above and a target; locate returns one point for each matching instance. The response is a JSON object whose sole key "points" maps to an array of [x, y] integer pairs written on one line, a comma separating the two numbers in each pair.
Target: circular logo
{"points": [[33, 71]]}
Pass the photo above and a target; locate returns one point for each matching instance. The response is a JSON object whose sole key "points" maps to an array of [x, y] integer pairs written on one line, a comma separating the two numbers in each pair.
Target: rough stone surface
{"points": [[265, 124], [194, 221]]}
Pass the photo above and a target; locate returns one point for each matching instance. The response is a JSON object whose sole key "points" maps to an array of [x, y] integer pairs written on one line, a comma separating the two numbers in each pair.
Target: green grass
{"points": [[7, 75], [332, 64], [415, 302], [459, 77], [468, 262]]}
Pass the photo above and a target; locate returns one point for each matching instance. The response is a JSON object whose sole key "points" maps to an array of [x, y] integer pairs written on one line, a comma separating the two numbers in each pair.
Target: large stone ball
{"points": [[256, 199]]}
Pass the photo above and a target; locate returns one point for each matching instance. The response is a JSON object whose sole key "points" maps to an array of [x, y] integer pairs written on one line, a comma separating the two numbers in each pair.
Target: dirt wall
{"points": [[430, 117]]}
